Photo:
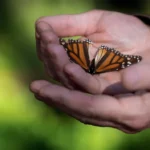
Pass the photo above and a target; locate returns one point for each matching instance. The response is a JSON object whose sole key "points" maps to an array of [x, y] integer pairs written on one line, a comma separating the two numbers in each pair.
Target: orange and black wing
{"points": [[108, 59], [78, 52]]}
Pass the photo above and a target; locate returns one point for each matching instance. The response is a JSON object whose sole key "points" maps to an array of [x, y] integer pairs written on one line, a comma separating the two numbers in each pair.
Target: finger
{"points": [[34, 87], [42, 55], [71, 25], [84, 80], [57, 60], [127, 112], [137, 77], [46, 33], [94, 84], [53, 55], [44, 36], [102, 106]]}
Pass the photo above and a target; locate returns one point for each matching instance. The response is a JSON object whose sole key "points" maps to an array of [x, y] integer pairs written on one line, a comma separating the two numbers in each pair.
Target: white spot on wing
{"points": [[129, 63]]}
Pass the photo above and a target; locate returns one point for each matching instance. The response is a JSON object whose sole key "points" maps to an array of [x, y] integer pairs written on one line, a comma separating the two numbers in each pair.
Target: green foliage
{"points": [[26, 124]]}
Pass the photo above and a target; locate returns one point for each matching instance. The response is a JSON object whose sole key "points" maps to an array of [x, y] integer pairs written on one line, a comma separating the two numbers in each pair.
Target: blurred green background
{"points": [[27, 124]]}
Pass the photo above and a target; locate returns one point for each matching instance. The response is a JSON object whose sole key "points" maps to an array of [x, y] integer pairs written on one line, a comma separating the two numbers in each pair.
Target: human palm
{"points": [[116, 30], [125, 33], [122, 32]]}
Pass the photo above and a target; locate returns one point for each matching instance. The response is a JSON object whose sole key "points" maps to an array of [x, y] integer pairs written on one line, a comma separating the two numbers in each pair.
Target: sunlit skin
{"points": [[117, 99]]}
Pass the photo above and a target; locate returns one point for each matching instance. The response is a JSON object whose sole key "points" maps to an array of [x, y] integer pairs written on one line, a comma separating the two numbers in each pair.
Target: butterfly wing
{"points": [[108, 59], [78, 52]]}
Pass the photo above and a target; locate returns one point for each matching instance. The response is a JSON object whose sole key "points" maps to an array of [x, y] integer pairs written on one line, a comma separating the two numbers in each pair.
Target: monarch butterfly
{"points": [[106, 59]]}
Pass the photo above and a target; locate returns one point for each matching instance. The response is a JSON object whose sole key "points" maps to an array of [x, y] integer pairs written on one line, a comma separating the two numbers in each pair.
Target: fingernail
{"points": [[34, 87], [42, 26]]}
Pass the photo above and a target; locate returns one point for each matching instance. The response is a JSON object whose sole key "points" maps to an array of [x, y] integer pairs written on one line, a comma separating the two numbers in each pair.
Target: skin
{"points": [[115, 99]]}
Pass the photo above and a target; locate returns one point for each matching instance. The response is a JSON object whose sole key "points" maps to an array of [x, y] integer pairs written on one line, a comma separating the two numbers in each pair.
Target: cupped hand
{"points": [[123, 32], [129, 113], [106, 105]]}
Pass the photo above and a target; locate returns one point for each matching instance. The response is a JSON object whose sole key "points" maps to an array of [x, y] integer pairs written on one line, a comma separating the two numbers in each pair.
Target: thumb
{"points": [[137, 77]]}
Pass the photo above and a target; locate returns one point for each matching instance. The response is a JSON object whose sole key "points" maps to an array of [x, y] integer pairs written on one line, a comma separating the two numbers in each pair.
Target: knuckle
{"points": [[137, 124], [89, 113], [90, 109], [97, 89], [53, 51], [141, 123], [42, 91], [62, 101]]}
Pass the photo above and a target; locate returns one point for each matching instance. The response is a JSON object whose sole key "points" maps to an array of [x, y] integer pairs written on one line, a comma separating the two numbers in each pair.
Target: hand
{"points": [[127, 112], [122, 32]]}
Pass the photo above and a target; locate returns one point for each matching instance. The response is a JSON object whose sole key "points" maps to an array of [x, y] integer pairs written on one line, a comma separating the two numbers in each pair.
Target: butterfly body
{"points": [[106, 59]]}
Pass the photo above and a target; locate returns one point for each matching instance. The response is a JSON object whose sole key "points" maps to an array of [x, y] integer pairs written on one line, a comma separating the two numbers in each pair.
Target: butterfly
{"points": [[106, 59]]}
